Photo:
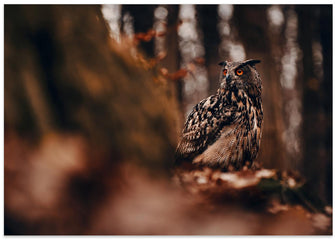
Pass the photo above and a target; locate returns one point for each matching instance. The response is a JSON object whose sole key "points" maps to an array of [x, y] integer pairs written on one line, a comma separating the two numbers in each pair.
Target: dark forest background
{"points": [[96, 96]]}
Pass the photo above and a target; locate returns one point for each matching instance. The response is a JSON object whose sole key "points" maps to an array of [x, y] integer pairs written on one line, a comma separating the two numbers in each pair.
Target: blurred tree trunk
{"points": [[143, 16], [285, 51], [253, 30], [172, 59], [65, 80], [326, 16], [316, 99], [208, 22], [70, 77]]}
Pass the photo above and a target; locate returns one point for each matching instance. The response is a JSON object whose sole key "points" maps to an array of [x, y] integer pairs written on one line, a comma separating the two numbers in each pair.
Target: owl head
{"points": [[241, 75]]}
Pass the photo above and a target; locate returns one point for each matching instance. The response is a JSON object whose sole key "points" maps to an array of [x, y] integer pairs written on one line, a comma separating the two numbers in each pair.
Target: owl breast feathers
{"points": [[225, 129]]}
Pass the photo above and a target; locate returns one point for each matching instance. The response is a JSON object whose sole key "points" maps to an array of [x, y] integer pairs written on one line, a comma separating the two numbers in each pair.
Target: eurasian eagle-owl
{"points": [[225, 129]]}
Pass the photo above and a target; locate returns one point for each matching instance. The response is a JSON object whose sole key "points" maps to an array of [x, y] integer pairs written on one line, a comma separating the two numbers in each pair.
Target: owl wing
{"points": [[203, 127]]}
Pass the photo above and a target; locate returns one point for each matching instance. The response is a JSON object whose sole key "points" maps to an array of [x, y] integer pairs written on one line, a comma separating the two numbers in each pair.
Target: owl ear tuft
{"points": [[252, 62], [222, 64]]}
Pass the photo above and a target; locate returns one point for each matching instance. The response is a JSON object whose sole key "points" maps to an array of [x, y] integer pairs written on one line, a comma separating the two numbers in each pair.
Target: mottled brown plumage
{"points": [[225, 129]]}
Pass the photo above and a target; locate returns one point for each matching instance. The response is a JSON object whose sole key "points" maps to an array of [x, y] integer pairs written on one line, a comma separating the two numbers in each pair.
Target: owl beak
{"points": [[228, 78]]}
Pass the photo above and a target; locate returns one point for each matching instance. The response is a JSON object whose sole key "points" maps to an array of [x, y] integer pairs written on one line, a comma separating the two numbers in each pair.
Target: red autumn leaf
{"points": [[179, 74], [160, 34], [164, 71], [161, 55], [199, 60], [146, 37]]}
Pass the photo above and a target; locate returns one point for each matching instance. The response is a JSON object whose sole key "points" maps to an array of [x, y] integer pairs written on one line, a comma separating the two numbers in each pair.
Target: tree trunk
{"points": [[208, 22], [316, 99], [326, 27], [77, 107], [254, 34], [143, 16]]}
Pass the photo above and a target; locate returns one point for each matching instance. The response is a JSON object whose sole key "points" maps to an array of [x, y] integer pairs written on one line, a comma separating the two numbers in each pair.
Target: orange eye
{"points": [[225, 72], [239, 72]]}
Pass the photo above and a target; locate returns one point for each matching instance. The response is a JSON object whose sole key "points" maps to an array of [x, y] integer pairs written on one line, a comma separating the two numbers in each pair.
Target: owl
{"points": [[224, 130]]}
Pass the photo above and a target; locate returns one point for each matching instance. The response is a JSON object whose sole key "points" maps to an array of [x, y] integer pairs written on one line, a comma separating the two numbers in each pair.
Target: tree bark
{"points": [[254, 34], [208, 22], [143, 16], [78, 106], [326, 39], [316, 99]]}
